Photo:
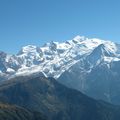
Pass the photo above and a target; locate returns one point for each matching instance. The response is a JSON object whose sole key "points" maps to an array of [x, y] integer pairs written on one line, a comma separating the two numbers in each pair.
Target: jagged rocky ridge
{"points": [[89, 65]]}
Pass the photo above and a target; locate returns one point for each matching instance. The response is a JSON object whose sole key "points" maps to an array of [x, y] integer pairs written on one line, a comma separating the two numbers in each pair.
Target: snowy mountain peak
{"points": [[102, 50], [79, 38], [50, 44], [55, 58], [27, 49]]}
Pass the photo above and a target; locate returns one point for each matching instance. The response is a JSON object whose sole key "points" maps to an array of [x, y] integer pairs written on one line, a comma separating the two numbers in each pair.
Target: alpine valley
{"points": [[61, 81]]}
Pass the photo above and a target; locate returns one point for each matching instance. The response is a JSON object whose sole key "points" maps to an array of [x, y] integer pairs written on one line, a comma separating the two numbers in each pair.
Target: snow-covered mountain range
{"points": [[54, 58], [89, 65]]}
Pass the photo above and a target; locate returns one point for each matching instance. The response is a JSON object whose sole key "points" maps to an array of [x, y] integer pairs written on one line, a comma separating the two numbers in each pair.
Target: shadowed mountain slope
{"points": [[54, 100]]}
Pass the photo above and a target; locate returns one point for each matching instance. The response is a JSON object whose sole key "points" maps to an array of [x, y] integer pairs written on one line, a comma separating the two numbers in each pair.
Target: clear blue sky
{"points": [[35, 22]]}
